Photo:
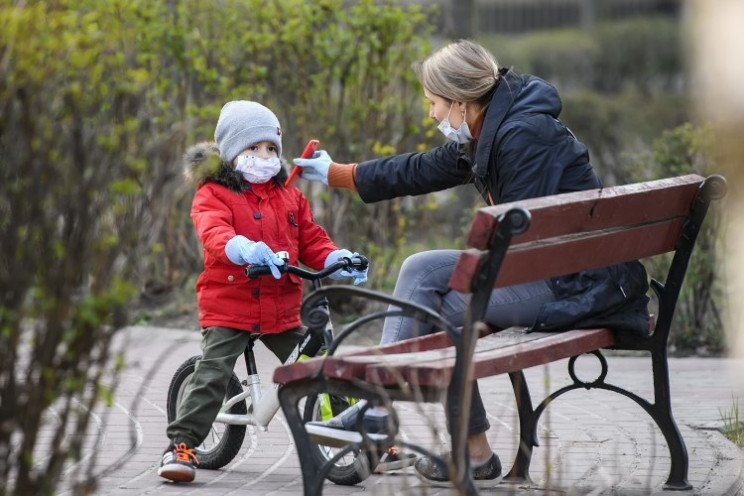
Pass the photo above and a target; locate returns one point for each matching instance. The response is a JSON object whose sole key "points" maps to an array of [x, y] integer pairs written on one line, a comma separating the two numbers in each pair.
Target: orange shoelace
{"points": [[393, 450], [184, 454]]}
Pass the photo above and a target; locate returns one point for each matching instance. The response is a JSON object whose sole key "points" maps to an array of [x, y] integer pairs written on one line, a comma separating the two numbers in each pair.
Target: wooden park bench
{"points": [[516, 243]]}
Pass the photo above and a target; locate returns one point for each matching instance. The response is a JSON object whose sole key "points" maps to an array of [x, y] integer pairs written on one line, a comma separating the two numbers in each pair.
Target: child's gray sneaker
{"points": [[178, 463]]}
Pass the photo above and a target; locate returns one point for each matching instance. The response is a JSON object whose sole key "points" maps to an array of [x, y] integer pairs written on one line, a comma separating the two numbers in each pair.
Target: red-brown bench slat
{"points": [[304, 368], [353, 366], [298, 370], [512, 348], [494, 356], [571, 254], [592, 210], [422, 343]]}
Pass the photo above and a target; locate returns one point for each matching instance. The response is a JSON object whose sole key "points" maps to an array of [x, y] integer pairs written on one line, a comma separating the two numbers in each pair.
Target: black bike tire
{"points": [[347, 475], [232, 440]]}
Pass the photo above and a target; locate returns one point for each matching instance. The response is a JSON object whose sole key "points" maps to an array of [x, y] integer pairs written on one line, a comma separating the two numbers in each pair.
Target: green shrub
{"points": [[98, 101], [626, 123], [70, 211], [642, 53], [697, 325], [566, 58]]}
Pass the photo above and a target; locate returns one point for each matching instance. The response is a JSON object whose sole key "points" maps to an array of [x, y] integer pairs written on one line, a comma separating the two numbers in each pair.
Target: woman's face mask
{"points": [[461, 134], [257, 170]]}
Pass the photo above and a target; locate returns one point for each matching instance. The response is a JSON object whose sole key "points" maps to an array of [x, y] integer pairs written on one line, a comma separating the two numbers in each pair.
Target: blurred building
{"points": [[466, 18]]}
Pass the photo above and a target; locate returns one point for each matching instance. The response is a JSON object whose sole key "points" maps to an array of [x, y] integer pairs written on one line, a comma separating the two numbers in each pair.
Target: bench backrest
{"points": [[583, 230], [563, 234], [530, 240]]}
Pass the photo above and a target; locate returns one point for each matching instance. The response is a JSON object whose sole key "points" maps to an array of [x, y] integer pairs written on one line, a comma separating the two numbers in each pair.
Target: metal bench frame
{"points": [[497, 234]]}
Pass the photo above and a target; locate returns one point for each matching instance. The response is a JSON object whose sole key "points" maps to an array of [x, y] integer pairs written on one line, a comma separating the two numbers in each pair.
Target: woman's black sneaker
{"points": [[435, 471]]}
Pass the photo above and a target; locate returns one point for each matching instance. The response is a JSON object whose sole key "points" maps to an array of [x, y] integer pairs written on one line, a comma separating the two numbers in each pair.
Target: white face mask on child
{"points": [[256, 169]]}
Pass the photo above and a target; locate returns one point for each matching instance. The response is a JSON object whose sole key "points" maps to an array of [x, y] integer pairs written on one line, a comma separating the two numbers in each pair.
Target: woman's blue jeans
{"points": [[424, 279]]}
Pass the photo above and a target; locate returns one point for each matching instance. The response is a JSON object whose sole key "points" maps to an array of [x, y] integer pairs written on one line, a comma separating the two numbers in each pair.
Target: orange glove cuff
{"points": [[342, 176]]}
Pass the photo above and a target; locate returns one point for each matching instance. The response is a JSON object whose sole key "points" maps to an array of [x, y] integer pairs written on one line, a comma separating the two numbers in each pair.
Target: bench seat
{"points": [[429, 361]]}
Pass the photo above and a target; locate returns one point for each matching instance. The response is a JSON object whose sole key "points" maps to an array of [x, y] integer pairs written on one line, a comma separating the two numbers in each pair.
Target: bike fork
{"points": [[264, 406], [253, 382]]}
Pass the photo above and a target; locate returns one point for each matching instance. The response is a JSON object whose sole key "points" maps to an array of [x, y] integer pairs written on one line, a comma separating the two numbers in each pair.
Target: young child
{"points": [[243, 215]]}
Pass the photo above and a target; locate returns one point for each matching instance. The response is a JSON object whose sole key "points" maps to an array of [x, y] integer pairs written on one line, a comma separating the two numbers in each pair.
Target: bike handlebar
{"points": [[357, 262]]}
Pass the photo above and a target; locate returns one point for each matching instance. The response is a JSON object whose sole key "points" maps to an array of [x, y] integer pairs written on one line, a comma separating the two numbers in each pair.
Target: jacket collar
{"points": [[260, 190], [501, 102]]}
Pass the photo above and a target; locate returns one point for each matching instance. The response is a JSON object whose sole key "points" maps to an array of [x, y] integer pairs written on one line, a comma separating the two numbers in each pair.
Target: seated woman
{"points": [[505, 138]]}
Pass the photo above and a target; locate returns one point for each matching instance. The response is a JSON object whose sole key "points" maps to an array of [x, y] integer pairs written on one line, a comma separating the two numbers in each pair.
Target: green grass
{"points": [[732, 427]]}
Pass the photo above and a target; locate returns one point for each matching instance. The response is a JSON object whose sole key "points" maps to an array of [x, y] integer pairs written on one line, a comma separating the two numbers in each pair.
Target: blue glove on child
{"points": [[360, 276], [241, 250], [315, 168]]}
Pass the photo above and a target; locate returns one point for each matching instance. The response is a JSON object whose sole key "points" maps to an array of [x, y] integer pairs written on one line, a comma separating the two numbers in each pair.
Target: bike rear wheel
{"points": [[355, 466], [224, 441]]}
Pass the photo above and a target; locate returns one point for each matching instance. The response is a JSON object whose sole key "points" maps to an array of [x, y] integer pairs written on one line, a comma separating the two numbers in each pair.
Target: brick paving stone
{"points": [[592, 442]]}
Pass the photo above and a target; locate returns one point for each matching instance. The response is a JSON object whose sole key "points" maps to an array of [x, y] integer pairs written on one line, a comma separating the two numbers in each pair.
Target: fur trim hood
{"points": [[202, 164]]}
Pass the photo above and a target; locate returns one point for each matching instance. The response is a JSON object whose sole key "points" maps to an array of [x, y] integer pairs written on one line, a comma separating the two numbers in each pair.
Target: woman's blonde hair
{"points": [[462, 71]]}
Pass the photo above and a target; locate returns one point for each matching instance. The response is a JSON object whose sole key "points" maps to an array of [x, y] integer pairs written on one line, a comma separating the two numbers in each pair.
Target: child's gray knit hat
{"points": [[242, 124]]}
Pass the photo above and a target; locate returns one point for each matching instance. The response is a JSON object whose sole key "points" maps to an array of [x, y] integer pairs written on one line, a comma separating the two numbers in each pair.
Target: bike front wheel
{"points": [[352, 468], [224, 441]]}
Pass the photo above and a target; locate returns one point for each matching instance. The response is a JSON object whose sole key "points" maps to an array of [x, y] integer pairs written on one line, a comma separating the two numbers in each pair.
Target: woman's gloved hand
{"points": [[241, 250], [315, 168], [360, 276]]}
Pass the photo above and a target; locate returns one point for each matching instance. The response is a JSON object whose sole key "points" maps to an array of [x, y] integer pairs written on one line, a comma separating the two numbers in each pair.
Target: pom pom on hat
{"points": [[242, 124]]}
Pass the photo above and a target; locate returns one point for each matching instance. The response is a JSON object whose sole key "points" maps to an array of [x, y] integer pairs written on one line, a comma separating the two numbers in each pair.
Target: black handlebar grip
{"points": [[254, 271], [360, 262]]}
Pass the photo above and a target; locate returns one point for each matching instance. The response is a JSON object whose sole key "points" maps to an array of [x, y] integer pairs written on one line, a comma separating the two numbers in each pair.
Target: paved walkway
{"points": [[592, 442]]}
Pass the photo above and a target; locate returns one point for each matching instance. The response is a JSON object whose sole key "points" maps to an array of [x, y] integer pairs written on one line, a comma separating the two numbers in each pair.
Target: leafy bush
{"points": [[643, 53], [98, 101], [333, 70], [566, 58], [612, 128], [70, 213], [698, 322]]}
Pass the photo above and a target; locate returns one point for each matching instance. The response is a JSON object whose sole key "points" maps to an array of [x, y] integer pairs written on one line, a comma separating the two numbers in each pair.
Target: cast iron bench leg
{"points": [[520, 471], [662, 414], [289, 397]]}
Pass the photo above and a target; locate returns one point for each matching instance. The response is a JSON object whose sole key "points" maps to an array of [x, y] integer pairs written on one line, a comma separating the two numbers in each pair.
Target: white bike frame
{"points": [[263, 405]]}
